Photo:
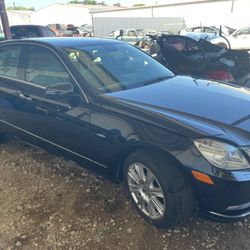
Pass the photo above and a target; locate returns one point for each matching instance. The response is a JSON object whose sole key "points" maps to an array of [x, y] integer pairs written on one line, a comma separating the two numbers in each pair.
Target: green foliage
{"points": [[139, 5], [20, 8], [87, 2], [90, 2]]}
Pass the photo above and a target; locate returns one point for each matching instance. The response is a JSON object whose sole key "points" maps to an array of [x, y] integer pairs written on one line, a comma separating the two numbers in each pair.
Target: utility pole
{"points": [[232, 6], [5, 21]]}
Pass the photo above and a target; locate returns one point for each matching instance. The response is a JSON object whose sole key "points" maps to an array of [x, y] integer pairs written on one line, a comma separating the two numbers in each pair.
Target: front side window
{"points": [[43, 67], [198, 29], [209, 30], [178, 43], [244, 31], [115, 67], [132, 33], [9, 60]]}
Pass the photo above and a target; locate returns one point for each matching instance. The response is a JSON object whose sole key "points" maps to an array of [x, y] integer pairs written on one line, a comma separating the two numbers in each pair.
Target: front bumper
{"points": [[228, 198], [225, 217], [225, 200]]}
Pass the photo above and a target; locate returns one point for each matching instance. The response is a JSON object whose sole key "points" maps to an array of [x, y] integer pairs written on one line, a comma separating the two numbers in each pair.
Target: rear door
{"points": [[10, 80]]}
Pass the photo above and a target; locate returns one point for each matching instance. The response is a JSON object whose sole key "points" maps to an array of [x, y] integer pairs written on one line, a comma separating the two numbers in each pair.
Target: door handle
{"points": [[24, 96], [101, 135]]}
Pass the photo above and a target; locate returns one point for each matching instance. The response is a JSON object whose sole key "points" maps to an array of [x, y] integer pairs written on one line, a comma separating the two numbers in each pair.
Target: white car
{"points": [[240, 39]]}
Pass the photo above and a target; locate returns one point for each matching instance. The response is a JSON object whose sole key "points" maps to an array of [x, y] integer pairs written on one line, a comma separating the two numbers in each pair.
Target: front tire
{"points": [[157, 188]]}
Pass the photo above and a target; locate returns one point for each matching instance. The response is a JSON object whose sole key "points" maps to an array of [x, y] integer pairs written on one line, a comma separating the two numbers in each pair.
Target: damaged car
{"points": [[185, 55]]}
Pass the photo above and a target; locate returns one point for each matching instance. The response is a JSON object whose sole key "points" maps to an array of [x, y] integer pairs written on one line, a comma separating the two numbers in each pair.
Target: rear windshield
{"points": [[24, 32]]}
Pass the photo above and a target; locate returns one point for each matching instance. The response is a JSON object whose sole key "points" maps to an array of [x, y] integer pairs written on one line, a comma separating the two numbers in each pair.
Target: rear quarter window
{"points": [[9, 60]]}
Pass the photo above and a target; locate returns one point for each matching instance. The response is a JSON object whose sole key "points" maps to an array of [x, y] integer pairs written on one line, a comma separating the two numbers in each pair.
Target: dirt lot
{"points": [[49, 203]]}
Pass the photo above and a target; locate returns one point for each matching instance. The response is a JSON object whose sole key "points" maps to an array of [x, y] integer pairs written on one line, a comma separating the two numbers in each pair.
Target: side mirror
{"points": [[59, 89]]}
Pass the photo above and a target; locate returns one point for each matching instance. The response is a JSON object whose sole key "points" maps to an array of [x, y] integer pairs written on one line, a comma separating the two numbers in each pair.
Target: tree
{"points": [[74, 1], [90, 2], [87, 2], [139, 5]]}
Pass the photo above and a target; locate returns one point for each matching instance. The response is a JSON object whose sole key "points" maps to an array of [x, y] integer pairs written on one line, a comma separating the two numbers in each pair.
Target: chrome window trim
{"points": [[22, 81]]}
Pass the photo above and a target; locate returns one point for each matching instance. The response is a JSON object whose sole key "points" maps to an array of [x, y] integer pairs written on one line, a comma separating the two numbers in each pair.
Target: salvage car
{"points": [[132, 36], [207, 32], [176, 142], [238, 40], [185, 55]]}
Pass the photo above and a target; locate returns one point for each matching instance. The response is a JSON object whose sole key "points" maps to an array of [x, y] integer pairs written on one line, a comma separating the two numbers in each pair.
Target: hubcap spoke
{"points": [[140, 172], [157, 192], [133, 175], [151, 209], [134, 188], [158, 205], [149, 178], [141, 203]]}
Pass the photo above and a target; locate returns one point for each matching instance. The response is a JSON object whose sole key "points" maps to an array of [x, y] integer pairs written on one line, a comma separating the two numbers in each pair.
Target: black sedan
{"points": [[176, 142]]}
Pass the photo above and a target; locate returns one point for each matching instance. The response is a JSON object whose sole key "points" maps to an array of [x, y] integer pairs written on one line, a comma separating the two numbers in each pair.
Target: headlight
{"points": [[221, 154]]}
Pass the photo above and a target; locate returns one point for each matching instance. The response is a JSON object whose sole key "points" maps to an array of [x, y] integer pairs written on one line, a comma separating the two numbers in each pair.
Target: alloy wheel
{"points": [[146, 191]]}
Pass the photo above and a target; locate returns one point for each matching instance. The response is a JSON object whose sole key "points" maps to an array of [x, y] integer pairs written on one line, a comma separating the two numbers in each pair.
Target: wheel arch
{"points": [[152, 149]]}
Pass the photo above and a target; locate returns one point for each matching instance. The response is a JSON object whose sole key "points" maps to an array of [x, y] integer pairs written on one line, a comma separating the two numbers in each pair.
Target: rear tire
{"points": [[157, 188]]}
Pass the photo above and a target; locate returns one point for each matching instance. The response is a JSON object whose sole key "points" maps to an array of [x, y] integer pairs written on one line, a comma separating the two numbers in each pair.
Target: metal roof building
{"points": [[195, 12]]}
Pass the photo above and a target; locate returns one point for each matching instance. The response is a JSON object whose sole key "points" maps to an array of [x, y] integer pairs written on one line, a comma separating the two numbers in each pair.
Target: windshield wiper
{"points": [[157, 79]]}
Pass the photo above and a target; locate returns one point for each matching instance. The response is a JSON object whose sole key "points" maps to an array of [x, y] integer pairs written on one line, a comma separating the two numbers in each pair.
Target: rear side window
{"points": [[48, 32], [9, 60]]}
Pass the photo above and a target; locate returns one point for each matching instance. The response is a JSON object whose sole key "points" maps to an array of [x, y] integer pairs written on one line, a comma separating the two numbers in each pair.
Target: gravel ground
{"points": [[49, 203]]}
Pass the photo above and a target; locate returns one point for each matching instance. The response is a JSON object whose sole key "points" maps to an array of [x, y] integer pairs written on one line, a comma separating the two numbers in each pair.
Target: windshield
{"points": [[115, 67]]}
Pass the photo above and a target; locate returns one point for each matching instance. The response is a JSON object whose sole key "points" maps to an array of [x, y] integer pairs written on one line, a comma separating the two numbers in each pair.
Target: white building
{"points": [[76, 14], [19, 17], [195, 12]]}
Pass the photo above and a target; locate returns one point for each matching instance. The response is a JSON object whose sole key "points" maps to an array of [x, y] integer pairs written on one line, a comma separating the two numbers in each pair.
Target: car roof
{"points": [[27, 25], [64, 41]]}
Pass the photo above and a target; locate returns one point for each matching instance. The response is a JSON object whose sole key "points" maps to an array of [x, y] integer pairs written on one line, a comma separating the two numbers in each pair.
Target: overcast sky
{"points": [[41, 3]]}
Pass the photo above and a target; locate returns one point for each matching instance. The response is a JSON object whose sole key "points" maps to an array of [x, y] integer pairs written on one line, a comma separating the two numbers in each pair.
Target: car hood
{"points": [[193, 101]]}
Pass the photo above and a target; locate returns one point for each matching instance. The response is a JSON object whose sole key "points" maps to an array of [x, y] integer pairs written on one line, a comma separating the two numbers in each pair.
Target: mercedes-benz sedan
{"points": [[176, 142]]}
